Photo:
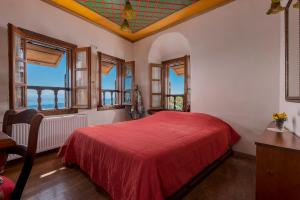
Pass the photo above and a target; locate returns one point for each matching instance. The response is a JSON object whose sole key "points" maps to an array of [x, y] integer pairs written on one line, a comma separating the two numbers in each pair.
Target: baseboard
{"points": [[243, 155]]}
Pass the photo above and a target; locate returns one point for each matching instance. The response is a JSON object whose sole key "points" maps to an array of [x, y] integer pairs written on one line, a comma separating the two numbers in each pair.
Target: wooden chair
{"points": [[33, 118]]}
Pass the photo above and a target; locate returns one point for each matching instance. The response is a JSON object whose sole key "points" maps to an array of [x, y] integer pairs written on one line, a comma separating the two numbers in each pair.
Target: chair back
{"points": [[12, 117], [34, 119]]}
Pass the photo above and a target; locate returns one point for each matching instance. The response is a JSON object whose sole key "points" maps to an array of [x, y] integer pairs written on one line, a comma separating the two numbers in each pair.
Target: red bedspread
{"points": [[151, 158]]}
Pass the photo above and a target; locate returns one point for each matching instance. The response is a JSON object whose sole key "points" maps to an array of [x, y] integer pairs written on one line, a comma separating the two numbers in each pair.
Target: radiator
{"points": [[52, 134]]}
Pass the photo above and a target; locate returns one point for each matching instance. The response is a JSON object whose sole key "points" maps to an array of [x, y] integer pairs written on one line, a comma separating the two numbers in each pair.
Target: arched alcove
{"points": [[170, 82], [168, 46]]}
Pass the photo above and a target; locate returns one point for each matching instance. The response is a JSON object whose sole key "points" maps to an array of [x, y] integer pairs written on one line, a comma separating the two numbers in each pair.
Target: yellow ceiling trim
{"points": [[197, 8]]}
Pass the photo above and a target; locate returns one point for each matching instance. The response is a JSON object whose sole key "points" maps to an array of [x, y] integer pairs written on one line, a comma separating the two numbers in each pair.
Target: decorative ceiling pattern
{"points": [[147, 11], [151, 15]]}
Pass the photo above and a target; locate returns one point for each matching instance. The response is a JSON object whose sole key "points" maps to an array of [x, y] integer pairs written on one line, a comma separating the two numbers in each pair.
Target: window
{"points": [[82, 78], [170, 83], [116, 81], [40, 73], [46, 75], [128, 82]]}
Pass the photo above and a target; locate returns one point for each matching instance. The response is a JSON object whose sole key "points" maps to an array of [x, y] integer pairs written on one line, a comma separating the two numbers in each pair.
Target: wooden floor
{"points": [[233, 180]]}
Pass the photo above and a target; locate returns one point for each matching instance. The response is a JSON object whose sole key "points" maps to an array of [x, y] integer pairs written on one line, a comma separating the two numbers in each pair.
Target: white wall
{"points": [[42, 18], [160, 49], [292, 109], [235, 56]]}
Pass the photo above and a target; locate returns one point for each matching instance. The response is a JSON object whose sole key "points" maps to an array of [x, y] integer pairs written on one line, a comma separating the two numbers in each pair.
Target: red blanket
{"points": [[151, 158]]}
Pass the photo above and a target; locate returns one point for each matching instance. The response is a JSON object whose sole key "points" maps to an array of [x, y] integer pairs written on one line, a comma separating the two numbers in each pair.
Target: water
{"points": [[48, 103]]}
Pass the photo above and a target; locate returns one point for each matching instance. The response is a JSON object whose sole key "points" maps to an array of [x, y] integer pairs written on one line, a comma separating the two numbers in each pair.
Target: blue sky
{"points": [[108, 81], [177, 83], [47, 76]]}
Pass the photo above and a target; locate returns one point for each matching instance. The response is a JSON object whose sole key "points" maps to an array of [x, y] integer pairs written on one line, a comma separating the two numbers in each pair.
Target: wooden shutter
{"points": [[81, 79], [156, 86], [128, 82], [187, 84], [100, 101], [17, 68]]}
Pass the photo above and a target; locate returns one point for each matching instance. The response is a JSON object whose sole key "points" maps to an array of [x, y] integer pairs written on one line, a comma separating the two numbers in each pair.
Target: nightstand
{"points": [[277, 166]]}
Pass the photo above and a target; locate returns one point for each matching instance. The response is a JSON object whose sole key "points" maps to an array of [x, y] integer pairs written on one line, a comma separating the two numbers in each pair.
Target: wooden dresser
{"points": [[277, 166]]}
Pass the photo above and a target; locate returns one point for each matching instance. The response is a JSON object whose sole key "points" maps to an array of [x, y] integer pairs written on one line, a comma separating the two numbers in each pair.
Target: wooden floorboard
{"points": [[50, 180]]}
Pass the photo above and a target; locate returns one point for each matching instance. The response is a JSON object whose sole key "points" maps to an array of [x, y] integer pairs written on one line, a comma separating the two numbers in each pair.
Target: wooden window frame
{"points": [[162, 91], [12, 61], [119, 82], [164, 80], [69, 49], [132, 63], [88, 51]]}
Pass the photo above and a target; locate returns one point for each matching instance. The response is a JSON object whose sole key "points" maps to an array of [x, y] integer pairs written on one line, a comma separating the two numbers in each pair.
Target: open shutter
{"points": [[82, 78], [17, 68], [156, 89], [187, 84], [128, 82]]}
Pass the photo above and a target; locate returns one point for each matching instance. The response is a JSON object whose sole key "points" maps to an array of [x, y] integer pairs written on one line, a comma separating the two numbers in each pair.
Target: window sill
{"points": [[59, 111], [116, 107]]}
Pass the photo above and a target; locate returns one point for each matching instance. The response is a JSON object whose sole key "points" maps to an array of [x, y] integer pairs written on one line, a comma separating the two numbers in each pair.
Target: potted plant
{"points": [[280, 118]]}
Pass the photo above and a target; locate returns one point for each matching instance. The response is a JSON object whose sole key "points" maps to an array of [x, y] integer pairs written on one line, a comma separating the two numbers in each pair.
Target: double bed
{"points": [[150, 158]]}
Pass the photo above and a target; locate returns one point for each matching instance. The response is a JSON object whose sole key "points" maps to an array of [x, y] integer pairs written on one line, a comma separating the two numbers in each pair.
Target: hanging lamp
{"points": [[275, 7], [128, 12], [125, 26]]}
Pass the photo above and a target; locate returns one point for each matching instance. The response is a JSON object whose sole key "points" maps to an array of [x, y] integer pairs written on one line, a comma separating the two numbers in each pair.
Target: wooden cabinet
{"points": [[277, 166]]}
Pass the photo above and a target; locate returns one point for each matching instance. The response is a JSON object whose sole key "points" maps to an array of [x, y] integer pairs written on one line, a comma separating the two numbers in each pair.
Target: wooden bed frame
{"points": [[199, 177]]}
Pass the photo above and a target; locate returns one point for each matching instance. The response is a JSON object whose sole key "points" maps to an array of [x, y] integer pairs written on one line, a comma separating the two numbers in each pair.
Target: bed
{"points": [[150, 158]]}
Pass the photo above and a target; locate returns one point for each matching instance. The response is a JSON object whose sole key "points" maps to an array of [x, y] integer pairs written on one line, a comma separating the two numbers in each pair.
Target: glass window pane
{"points": [[20, 97], [109, 97], [81, 59], [32, 99], [81, 78], [156, 101], [109, 77], [48, 99], [156, 87], [176, 82], [174, 103], [128, 77], [128, 83], [127, 97], [19, 47], [156, 73], [19, 72], [128, 71], [81, 96], [61, 97]]}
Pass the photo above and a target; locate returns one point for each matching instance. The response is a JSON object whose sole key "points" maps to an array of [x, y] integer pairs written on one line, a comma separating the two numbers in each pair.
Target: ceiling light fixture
{"points": [[128, 12], [297, 5], [275, 7], [125, 26]]}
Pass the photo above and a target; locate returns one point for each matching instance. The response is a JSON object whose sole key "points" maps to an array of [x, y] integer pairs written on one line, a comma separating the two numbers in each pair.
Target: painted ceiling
{"points": [[151, 15], [147, 11]]}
